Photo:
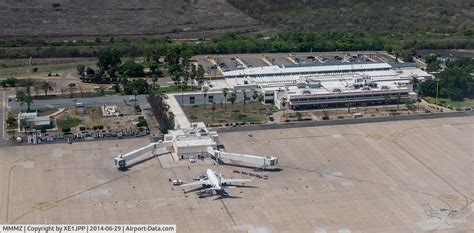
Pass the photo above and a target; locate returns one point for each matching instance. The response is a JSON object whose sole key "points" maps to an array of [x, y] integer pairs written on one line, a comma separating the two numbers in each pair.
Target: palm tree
{"points": [[37, 88], [398, 101], [232, 98], [135, 93], [386, 98], [193, 75], [348, 104], [284, 101], [72, 87], [260, 98], [46, 86], [225, 92], [204, 92], [176, 77], [27, 84], [213, 109], [200, 74], [154, 80], [186, 76], [254, 97], [24, 98], [245, 98]]}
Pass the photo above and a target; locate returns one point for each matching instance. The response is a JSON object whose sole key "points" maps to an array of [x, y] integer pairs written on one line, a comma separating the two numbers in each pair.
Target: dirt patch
{"points": [[93, 117], [189, 18], [226, 113]]}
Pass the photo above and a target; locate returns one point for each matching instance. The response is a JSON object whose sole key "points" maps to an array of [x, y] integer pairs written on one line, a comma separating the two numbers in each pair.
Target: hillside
{"points": [[182, 18], [425, 18]]}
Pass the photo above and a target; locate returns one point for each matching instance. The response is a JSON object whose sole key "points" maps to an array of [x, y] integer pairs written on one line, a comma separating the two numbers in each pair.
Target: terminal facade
{"points": [[316, 85]]}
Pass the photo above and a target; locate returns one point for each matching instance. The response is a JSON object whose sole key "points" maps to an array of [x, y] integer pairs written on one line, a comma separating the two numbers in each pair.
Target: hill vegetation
{"points": [[448, 23]]}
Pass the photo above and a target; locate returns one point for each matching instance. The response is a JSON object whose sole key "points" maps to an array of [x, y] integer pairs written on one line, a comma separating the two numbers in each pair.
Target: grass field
{"points": [[224, 114], [174, 89], [69, 122], [450, 103], [19, 67]]}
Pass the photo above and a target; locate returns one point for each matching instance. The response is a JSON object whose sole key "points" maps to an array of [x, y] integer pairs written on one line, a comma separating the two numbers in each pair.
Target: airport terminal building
{"points": [[317, 85]]}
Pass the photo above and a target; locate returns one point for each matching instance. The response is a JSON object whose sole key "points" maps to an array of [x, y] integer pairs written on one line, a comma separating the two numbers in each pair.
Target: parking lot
{"points": [[253, 61], [232, 62], [406, 176]]}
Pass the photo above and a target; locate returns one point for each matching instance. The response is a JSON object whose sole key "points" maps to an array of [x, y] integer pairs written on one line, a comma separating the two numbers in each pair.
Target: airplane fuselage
{"points": [[215, 182]]}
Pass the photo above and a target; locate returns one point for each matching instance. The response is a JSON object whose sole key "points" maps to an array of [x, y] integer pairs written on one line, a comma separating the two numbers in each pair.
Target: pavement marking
{"points": [[398, 135], [44, 206], [3, 116], [374, 136]]}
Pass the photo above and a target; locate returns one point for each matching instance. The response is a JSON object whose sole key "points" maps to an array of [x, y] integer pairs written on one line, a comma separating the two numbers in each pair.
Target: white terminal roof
{"points": [[374, 72], [266, 70], [328, 87], [195, 142]]}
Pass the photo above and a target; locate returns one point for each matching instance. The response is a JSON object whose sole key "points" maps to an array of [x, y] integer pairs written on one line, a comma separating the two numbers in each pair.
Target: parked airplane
{"points": [[212, 183]]}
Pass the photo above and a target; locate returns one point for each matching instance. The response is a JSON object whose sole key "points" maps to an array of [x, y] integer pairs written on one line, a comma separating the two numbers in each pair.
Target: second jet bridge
{"points": [[242, 159], [156, 147]]}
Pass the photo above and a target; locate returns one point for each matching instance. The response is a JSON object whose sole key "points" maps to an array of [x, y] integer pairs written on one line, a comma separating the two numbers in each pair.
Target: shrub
{"points": [[325, 117], [82, 128], [66, 130], [100, 127], [94, 127]]}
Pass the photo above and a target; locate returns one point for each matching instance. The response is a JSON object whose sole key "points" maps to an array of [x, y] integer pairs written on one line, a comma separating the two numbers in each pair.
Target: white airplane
{"points": [[215, 183]]}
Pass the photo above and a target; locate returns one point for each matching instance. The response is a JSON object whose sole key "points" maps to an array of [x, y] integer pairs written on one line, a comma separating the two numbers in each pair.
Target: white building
{"points": [[316, 85], [193, 141]]}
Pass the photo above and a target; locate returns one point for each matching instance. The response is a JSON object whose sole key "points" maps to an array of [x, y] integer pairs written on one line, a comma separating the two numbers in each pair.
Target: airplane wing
{"points": [[228, 181], [199, 182]]}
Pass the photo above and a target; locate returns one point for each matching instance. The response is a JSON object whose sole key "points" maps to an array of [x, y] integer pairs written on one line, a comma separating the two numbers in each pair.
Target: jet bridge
{"points": [[242, 159], [164, 147]]}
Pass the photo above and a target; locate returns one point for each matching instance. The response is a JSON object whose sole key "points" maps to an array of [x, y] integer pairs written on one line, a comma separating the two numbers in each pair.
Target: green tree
{"points": [[260, 98], [71, 87], [200, 74], [432, 63], [10, 120], [154, 80], [244, 93], [139, 85], [109, 59], [232, 98], [386, 98], [284, 102], [407, 55], [176, 74], [348, 105], [132, 69], [90, 72], [213, 107], [24, 98], [46, 86], [254, 98], [225, 92], [27, 84], [80, 69], [185, 75], [11, 81], [398, 101], [204, 93]]}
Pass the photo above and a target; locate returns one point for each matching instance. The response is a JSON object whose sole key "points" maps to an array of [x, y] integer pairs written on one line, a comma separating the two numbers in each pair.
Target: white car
{"points": [[191, 160], [177, 182]]}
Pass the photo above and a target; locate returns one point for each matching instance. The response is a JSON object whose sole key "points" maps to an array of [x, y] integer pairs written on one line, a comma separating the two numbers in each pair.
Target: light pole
{"points": [[182, 94], [437, 90]]}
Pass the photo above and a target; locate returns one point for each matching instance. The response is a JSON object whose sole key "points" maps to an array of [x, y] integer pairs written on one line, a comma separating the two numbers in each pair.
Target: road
{"points": [[2, 117], [59, 103], [342, 122]]}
